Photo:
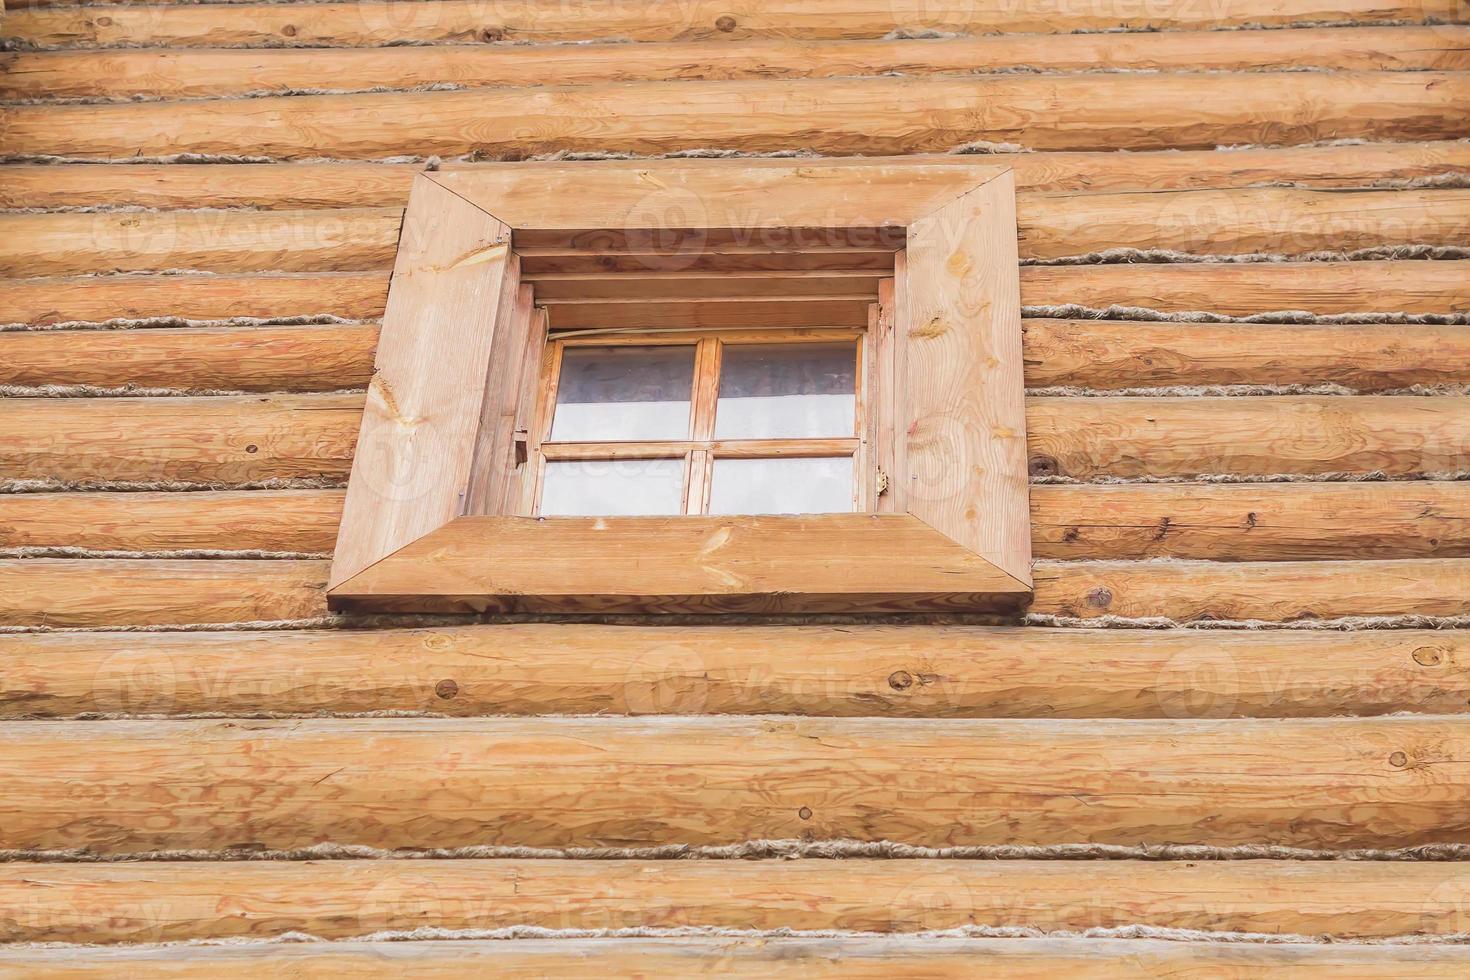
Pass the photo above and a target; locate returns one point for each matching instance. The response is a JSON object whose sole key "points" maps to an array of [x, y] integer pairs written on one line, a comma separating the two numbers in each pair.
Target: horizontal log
{"points": [[85, 592], [223, 72], [1282, 591], [910, 671], [115, 787], [1091, 438], [338, 240], [377, 23], [1140, 111], [1284, 220], [854, 958], [132, 903], [1114, 354], [1230, 289], [224, 439], [98, 299], [1222, 522], [324, 357], [342, 185], [1252, 522], [258, 520]]}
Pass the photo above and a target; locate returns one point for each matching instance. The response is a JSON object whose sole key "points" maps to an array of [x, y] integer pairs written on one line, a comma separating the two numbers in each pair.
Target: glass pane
{"points": [[791, 485], [623, 393], [787, 391], [612, 487]]}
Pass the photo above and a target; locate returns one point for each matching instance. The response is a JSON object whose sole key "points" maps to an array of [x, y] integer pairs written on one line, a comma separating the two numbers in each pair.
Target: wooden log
{"points": [[378, 23], [259, 520], [223, 72], [115, 787], [1090, 438], [84, 592], [905, 671], [325, 357], [1282, 591], [854, 959], [1322, 288], [341, 185], [337, 240], [226, 440], [99, 299], [1285, 220], [1253, 522], [142, 903], [843, 116], [1113, 354]]}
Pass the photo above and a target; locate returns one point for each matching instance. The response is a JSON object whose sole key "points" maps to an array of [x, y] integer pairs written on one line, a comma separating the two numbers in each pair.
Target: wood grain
{"points": [[223, 72], [1185, 591], [114, 787], [225, 440], [910, 671], [422, 415], [115, 903], [377, 23], [1070, 112], [86, 592], [341, 185], [765, 564], [857, 959]]}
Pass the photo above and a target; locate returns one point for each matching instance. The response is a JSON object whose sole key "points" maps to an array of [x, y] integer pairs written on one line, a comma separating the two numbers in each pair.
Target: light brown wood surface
{"points": [[229, 440], [769, 564], [861, 959], [379, 22], [1071, 112], [102, 903], [852, 671], [217, 72], [115, 787], [319, 185]]}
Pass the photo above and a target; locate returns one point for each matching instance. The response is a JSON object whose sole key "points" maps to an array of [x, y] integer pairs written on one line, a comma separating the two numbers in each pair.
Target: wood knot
{"points": [[900, 680], [1042, 466], [252, 448], [289, 30], [805, 813], [1398, 760], [1100, 598], [725, 24], [1428, 657], [492, 34], [446, 689]]}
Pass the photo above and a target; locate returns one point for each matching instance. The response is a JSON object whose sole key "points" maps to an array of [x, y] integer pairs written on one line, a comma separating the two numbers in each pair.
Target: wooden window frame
{"points": [[441, 467]]}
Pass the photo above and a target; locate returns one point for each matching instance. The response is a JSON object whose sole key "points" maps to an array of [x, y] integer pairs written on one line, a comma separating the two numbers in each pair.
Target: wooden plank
{"points": [[1114, 354], [1088, 438], [318, 357], [60, 244], [858, 959], [909, 671], [1253, 522], [422, 417], [1322, 288], [624, 782], [329, 185], [224, 72], [377, 23], [98, 299], [764, 564], [224, 440], [961, 405], [787, 312], [68, 592], [651, 286], [1279, 591], [258, 520], [122, 903], [1138, 111]]}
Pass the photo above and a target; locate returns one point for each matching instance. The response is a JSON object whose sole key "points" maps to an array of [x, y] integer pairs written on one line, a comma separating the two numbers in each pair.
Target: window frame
{"points": [[431, 519]]}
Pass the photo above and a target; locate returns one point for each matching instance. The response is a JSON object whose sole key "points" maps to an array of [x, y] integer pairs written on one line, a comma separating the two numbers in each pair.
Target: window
{"points": [[752, 422], [715, 385]]}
